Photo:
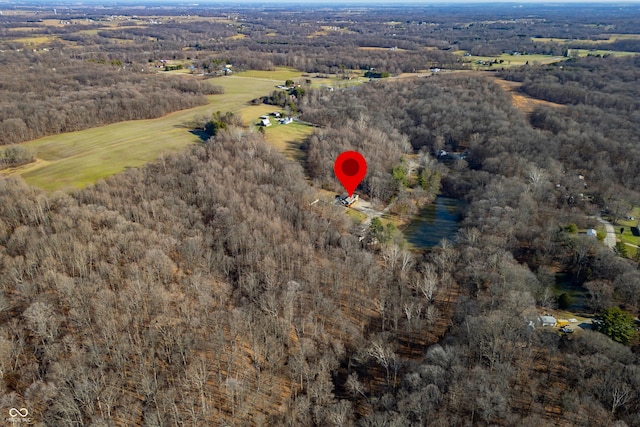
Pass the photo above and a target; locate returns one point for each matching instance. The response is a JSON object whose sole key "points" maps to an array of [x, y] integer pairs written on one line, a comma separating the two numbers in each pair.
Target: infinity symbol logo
{"points": [[22, 412]]}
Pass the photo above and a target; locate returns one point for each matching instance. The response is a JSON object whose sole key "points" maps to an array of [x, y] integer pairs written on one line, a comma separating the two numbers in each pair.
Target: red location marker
{"points": [[350, 168]]}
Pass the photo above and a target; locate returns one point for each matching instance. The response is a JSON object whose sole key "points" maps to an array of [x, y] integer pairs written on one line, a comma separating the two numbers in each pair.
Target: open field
{"points": [[521, 101], [601, 52], [506, 60], [77, 159], [287, 138], [279, 74], [35, 40], [606, 38], [632, 242]]}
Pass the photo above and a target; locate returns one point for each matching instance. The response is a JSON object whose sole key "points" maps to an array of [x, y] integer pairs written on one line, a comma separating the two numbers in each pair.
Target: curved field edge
{"points": [[77, 159]]}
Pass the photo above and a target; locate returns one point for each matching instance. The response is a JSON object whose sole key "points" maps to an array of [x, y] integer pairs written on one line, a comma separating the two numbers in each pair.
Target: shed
{"points": [[548, 321], [592, 232]]}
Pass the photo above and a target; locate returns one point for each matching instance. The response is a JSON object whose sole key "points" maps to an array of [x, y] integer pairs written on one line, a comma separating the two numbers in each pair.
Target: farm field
{"points": [[280, 74], [77, 159], [508, 60]]}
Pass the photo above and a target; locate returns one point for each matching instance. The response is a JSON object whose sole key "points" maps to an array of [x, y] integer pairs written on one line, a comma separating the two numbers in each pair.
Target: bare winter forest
{"points": [[208, 288]]}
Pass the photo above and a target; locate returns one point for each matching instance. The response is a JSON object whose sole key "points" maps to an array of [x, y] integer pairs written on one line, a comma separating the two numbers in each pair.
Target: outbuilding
{"points": [[548, 321]]}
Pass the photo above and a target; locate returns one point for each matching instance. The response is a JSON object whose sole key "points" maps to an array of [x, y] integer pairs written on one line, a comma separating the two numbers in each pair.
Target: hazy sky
{"points": [[395, 2]]}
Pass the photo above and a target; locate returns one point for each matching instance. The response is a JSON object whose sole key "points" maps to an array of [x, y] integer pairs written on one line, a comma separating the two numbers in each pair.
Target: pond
{"points": [[435, 222], [577, 294]]}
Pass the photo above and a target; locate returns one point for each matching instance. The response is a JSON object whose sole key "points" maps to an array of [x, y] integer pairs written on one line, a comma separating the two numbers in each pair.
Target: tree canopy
{"points": [[617, 324]]}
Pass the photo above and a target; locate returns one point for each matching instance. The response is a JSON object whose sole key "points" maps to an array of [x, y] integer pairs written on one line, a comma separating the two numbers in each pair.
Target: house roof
{"points": [[548, 319]]}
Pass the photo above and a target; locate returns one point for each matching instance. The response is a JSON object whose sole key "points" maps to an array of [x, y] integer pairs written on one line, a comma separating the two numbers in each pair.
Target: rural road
{"points": [[610, 239]]}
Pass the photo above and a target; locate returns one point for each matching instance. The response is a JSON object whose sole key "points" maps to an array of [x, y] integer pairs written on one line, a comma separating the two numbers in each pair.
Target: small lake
{"points": [[435, 222]]}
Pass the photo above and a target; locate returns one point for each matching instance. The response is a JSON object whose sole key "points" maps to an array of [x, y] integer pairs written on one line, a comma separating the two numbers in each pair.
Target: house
{"points": [[548, 321], [349, 201], [286, 121], [264, 121]]}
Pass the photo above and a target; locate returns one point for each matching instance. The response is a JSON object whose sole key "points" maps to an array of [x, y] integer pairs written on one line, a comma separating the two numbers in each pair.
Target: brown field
{"points": [[523, 102]]}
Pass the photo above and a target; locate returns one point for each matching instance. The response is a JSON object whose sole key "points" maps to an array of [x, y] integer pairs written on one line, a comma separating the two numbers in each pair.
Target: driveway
{"points": [[610, 239]]}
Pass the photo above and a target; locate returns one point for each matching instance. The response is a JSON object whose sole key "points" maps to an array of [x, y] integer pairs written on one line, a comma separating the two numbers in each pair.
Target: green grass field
{"points": [[77, 159], [287, 138], [508, 60], [280, 74], [627, 236]]}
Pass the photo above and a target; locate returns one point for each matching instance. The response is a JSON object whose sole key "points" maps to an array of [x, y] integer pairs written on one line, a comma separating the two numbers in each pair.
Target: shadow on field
{"points": [[200, 133]]}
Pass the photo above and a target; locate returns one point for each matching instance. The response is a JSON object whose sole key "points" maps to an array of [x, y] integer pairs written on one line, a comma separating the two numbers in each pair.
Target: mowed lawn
{"points": [[288, 138], [77, 159]]}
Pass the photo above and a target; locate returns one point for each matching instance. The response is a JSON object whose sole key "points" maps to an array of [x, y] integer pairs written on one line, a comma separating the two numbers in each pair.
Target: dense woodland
{"points": [[205, 289]]}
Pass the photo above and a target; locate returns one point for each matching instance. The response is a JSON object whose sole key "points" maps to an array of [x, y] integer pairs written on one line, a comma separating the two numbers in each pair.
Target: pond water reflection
{"points": [[435, 222]]}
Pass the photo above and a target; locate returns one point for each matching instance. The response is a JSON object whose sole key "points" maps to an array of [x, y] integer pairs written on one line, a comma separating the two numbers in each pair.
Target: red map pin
{"points": [[350, 168]]}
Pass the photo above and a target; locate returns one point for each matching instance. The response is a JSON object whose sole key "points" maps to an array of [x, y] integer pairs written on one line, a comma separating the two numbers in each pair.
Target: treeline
{"points": [[15, 155], [49, 94], [600, 134]]}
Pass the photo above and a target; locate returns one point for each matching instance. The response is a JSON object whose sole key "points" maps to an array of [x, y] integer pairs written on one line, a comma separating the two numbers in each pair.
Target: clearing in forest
{"points": [[77, 159], [506, 60], [521, 101]]}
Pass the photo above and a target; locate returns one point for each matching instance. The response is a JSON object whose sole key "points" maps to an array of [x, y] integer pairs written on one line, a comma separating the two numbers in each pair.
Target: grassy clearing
{"points": [[77, 159], [358, 217], [36, 40], [287, 138], [279, 74], [508, 60], [250, 114], [627, 236]]}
